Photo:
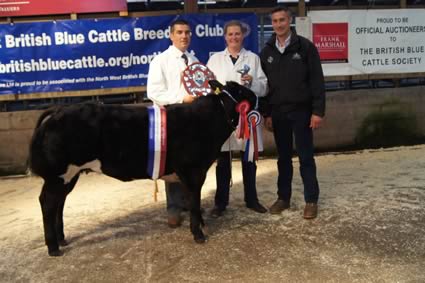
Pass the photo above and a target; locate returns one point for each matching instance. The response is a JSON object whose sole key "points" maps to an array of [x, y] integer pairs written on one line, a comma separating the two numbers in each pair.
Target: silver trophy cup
{"points": [[243, 72]]}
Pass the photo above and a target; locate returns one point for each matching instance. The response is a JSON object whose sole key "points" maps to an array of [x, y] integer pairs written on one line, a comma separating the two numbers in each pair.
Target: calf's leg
{"points": [[193, 182], [52, 200], [196, 220], [59, 216]]}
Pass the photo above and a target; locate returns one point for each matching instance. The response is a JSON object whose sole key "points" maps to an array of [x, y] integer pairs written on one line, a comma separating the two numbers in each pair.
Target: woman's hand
{"points": [[246, 80]]}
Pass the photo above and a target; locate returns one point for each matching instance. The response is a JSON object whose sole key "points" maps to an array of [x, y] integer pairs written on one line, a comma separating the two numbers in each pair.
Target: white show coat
{"points": [[164, 77], [224, 70]]}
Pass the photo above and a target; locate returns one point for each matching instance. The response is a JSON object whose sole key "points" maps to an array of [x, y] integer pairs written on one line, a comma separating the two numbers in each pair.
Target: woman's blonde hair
{"points": [[235, 23]]}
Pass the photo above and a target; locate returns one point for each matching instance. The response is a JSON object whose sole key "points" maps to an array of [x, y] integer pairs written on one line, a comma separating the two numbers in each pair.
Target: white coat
{"points": [[164, 78], [224, 70]]}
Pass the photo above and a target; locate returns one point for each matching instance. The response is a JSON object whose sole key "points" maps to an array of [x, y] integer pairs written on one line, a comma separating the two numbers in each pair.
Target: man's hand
{"points": [[268, 124], [315, 121], [189, 98]]}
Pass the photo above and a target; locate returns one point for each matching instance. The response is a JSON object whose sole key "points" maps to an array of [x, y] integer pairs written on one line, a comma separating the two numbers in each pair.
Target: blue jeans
{"points": [[176, 200], [223, 176], [286, 126]]}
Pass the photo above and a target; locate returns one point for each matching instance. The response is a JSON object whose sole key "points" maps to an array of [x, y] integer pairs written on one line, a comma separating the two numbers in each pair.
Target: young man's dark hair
{"points": [[280, 9], [178, 22]]}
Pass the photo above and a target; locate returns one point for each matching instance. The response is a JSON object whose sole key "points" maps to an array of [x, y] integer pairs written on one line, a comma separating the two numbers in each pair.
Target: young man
{"points": [[165, 87], [297, 106]]}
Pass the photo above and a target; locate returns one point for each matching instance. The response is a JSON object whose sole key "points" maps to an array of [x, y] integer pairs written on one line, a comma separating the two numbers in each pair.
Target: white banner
{"points": [[379, 41]]}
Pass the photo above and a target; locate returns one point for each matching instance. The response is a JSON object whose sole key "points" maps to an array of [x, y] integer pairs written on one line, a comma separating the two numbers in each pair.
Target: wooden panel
{"points": [[93, 92]]}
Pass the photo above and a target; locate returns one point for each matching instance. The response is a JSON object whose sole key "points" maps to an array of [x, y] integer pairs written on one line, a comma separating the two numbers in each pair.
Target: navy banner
{"points": [[90, 54]]}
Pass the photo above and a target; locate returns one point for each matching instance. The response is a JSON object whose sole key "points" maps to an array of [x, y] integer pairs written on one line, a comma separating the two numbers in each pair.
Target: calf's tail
{"points": [[37, 138], [45, 114]]}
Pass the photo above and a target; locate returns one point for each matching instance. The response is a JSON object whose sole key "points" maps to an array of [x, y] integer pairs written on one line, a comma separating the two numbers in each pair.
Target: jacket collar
{"points": [[294, 40], [242, 52], [176, 52]]}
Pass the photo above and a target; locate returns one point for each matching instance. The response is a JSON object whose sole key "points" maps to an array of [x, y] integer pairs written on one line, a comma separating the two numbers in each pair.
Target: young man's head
{"points": [[281, 21], [180, 34]]}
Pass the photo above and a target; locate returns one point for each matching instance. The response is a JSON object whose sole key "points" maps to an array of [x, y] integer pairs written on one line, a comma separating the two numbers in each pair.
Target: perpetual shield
{"points": [[195, 79]]}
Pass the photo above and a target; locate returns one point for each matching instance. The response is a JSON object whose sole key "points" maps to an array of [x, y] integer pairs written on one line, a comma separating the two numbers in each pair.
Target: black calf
{"points": [[113, 140]]}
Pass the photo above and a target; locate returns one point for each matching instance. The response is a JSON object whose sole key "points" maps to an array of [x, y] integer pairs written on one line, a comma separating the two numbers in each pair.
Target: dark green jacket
{"points": [[295, 77]]}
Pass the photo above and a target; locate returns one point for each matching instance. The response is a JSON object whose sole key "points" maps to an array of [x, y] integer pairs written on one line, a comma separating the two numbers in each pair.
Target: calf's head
{"points": [[237, 101], [236, 92]]}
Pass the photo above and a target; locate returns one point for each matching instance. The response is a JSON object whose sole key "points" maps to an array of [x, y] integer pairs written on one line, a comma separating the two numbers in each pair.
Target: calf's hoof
{"points": [[63, 243], [201, 240], [55, 253]]}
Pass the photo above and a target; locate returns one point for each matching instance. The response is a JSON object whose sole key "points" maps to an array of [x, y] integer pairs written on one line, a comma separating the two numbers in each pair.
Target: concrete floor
{"points": [[371, 228]]}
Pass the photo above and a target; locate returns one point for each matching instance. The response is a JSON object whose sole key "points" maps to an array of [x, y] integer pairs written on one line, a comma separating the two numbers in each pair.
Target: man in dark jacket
{"points": [[296, 106]]}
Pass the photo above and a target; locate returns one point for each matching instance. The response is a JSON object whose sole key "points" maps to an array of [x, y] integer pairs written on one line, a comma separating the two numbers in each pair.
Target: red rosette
{"points": [[243, 130], [195, 79]]}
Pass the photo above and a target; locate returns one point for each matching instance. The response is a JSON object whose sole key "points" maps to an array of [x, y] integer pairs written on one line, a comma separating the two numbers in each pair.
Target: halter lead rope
{"points": [[229, 95], [234, 100]]}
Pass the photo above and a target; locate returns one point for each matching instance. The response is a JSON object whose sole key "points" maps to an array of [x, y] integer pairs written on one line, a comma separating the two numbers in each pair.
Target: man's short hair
{"points": [[178, 22], [281, 8], [235, 23]]}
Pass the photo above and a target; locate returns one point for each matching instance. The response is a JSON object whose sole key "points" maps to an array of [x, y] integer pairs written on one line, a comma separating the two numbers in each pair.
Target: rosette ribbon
{"points": [[255, 141], [242, 131], [157, 142]]}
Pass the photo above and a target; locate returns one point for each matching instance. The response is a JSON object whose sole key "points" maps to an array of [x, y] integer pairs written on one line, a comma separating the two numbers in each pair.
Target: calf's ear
{"points": [[215, 85], [233, 85]]}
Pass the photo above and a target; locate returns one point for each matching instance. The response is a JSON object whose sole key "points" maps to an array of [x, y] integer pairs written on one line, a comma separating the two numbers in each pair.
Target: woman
{"points": [[236, 64]]}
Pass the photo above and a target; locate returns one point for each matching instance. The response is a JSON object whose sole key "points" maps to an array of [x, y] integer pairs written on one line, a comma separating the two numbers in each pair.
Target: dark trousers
{"points": [[176, 200], [286, 126], [223, 176]]}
